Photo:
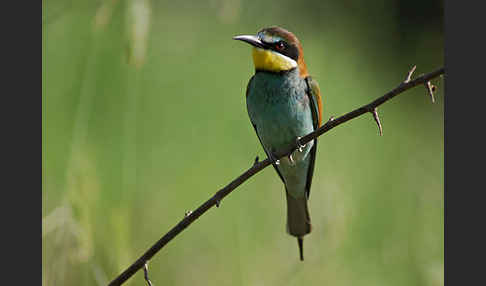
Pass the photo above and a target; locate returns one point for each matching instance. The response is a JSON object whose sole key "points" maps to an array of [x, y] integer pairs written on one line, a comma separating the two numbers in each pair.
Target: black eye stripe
{"points": [[290, 51]]}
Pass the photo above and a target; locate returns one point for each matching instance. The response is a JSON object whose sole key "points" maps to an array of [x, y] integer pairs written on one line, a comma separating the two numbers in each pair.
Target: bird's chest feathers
{"points": [[279, 106]]}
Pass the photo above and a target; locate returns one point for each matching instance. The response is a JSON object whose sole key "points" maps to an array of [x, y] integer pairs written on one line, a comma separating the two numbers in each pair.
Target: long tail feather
{"points": [[298, 220], [300, 241]]}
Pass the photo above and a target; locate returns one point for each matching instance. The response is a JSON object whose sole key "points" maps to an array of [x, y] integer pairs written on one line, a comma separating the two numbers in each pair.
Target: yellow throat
{"points": [[268, 60]]}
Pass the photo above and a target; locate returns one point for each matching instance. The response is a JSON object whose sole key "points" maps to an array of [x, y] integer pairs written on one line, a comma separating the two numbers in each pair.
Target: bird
{"points": [[284, 103]]}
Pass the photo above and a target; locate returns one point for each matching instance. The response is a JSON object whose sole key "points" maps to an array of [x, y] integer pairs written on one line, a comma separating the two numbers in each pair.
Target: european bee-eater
{"points": [[284, 104]]}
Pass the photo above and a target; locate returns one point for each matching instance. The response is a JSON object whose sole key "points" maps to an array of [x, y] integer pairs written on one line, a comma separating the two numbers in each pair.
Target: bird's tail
{"points": [[298, 220]]}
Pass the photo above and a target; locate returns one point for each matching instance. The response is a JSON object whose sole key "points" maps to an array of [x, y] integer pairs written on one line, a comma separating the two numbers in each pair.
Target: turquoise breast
{"points": [[279, 106]]}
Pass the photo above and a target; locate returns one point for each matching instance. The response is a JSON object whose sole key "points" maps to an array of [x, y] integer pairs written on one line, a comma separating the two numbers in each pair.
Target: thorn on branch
{"points": [[431, 89], [256, 161], [145, 273], [331, 119], [409, 75], [187, 213], [217, 203], [377, 119]]}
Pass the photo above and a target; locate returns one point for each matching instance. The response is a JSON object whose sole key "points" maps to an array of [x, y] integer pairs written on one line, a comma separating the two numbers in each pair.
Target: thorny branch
{"points": [[190, 217]]}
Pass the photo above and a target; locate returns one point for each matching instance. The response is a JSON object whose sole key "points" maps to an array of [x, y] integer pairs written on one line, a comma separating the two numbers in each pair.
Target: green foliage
{"points": [[144, 117]]}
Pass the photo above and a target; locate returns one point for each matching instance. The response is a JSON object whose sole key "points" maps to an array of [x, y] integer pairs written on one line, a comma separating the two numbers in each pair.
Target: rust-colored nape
{"points": [[301, 63]]}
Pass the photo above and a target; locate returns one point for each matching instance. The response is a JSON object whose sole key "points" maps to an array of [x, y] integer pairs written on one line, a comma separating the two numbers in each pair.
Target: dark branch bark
{"points": [[258, 166]]}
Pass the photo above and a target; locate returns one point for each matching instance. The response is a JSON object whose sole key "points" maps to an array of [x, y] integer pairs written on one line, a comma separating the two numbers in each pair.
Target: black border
{"points": [[464, 146], [21, 136]]}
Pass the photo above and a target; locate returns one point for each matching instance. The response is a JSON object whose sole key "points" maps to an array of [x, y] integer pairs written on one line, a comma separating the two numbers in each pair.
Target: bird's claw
{"points": [[291, 159], [300, 146], [273, 159]]}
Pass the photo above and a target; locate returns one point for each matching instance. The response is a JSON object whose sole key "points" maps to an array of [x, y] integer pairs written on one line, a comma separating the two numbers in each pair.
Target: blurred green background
{"points": [[144, 118]]}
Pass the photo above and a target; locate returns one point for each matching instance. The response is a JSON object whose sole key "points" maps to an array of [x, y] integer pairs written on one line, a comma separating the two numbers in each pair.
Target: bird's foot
{"points": [[273, 159], [300, 146], [291, 159]]}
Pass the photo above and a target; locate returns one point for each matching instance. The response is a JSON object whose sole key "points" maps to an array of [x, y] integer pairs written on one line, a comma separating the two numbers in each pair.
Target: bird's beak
{"points": [[250, 39]]}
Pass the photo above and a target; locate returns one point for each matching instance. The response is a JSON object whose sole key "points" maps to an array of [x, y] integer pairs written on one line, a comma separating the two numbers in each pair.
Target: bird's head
{"points": [[276, 50]]}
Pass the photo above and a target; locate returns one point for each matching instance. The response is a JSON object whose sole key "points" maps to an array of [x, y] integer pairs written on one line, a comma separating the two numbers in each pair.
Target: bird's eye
{"points": [[280, 46]]}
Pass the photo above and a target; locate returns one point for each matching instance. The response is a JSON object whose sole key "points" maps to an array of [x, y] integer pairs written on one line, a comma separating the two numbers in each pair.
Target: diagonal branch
{"points": [[260, 165]]}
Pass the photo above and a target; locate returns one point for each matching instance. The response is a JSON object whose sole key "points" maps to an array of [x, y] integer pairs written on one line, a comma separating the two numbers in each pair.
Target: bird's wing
{"points": [[261, 143], [315, 96], [315, 101]]}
